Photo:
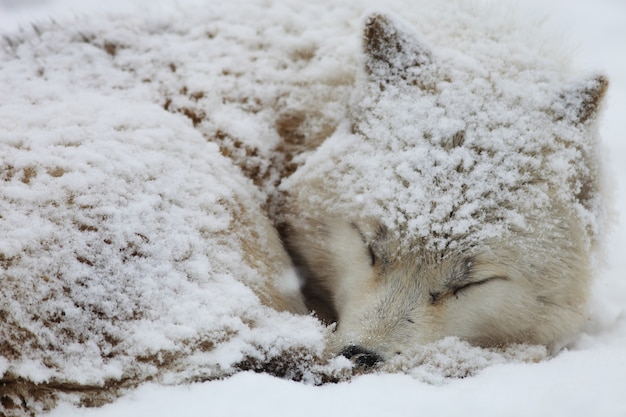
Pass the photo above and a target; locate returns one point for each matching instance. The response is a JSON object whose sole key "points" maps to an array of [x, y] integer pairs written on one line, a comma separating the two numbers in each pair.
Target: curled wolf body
{"points": [[457, 201], [422, 188]]}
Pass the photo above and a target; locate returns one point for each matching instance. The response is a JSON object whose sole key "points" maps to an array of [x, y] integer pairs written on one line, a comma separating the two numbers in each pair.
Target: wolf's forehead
{"points": [[431, 169], [446, 179]]}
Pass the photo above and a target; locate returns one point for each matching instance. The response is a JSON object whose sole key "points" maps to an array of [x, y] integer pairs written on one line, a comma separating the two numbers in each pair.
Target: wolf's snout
{"points": [[360, 356]]}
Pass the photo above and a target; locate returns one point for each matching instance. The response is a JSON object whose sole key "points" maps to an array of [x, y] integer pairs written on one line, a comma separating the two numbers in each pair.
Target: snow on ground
{"points": [[587, 379]]}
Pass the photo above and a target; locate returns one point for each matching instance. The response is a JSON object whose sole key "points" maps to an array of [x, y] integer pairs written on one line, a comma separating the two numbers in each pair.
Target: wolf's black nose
{"points": [[360, 356]]}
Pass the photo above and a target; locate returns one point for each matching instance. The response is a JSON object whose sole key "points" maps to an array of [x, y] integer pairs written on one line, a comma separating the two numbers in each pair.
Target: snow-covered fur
{"points": [[145, 161], [130, 247], [462, 198]]}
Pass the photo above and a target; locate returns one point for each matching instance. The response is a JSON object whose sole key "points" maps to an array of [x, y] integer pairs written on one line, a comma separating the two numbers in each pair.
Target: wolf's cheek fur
{"points": [[395, 312], [497, 295]]}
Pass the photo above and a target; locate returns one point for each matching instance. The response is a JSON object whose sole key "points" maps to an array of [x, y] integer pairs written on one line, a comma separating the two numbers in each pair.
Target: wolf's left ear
{"points": [[581, 101], [392, 51]]}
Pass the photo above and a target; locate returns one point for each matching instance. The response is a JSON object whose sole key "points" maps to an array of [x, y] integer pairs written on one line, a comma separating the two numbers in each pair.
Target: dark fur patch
{"points": [[317, 296]]}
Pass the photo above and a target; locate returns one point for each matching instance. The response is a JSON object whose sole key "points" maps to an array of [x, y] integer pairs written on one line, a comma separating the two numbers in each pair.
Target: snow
{"points": [[585, 379]]}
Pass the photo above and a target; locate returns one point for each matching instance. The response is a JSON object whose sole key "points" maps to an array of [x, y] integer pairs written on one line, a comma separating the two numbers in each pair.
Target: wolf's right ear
{"points": [[392, 51], [581, 100]]}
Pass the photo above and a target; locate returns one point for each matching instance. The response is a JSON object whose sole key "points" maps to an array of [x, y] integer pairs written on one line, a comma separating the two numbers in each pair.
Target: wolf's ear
{"points": [[392, 51], [581, 101]]}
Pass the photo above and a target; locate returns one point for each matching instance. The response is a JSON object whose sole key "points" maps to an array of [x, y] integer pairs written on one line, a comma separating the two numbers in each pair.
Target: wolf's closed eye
{"points": [[465, 287]]}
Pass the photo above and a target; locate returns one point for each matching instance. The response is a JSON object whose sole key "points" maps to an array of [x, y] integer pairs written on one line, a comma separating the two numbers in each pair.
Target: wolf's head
{"points": [[461, 199]]}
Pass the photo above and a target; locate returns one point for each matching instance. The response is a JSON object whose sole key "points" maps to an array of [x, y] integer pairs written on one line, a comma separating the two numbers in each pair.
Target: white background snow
{"points": [[587, 380]]}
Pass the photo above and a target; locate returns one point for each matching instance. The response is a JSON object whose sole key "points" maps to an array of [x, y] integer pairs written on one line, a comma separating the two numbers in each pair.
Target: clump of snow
{"points": [[437, 362]]}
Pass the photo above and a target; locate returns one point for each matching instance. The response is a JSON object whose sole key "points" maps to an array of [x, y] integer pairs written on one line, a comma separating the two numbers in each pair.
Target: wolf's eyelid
{"points": [[477, 283]]}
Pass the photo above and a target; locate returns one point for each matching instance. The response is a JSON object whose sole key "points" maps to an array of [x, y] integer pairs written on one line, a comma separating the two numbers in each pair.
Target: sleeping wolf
{"points": [[429, 191], [457, 201]]}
